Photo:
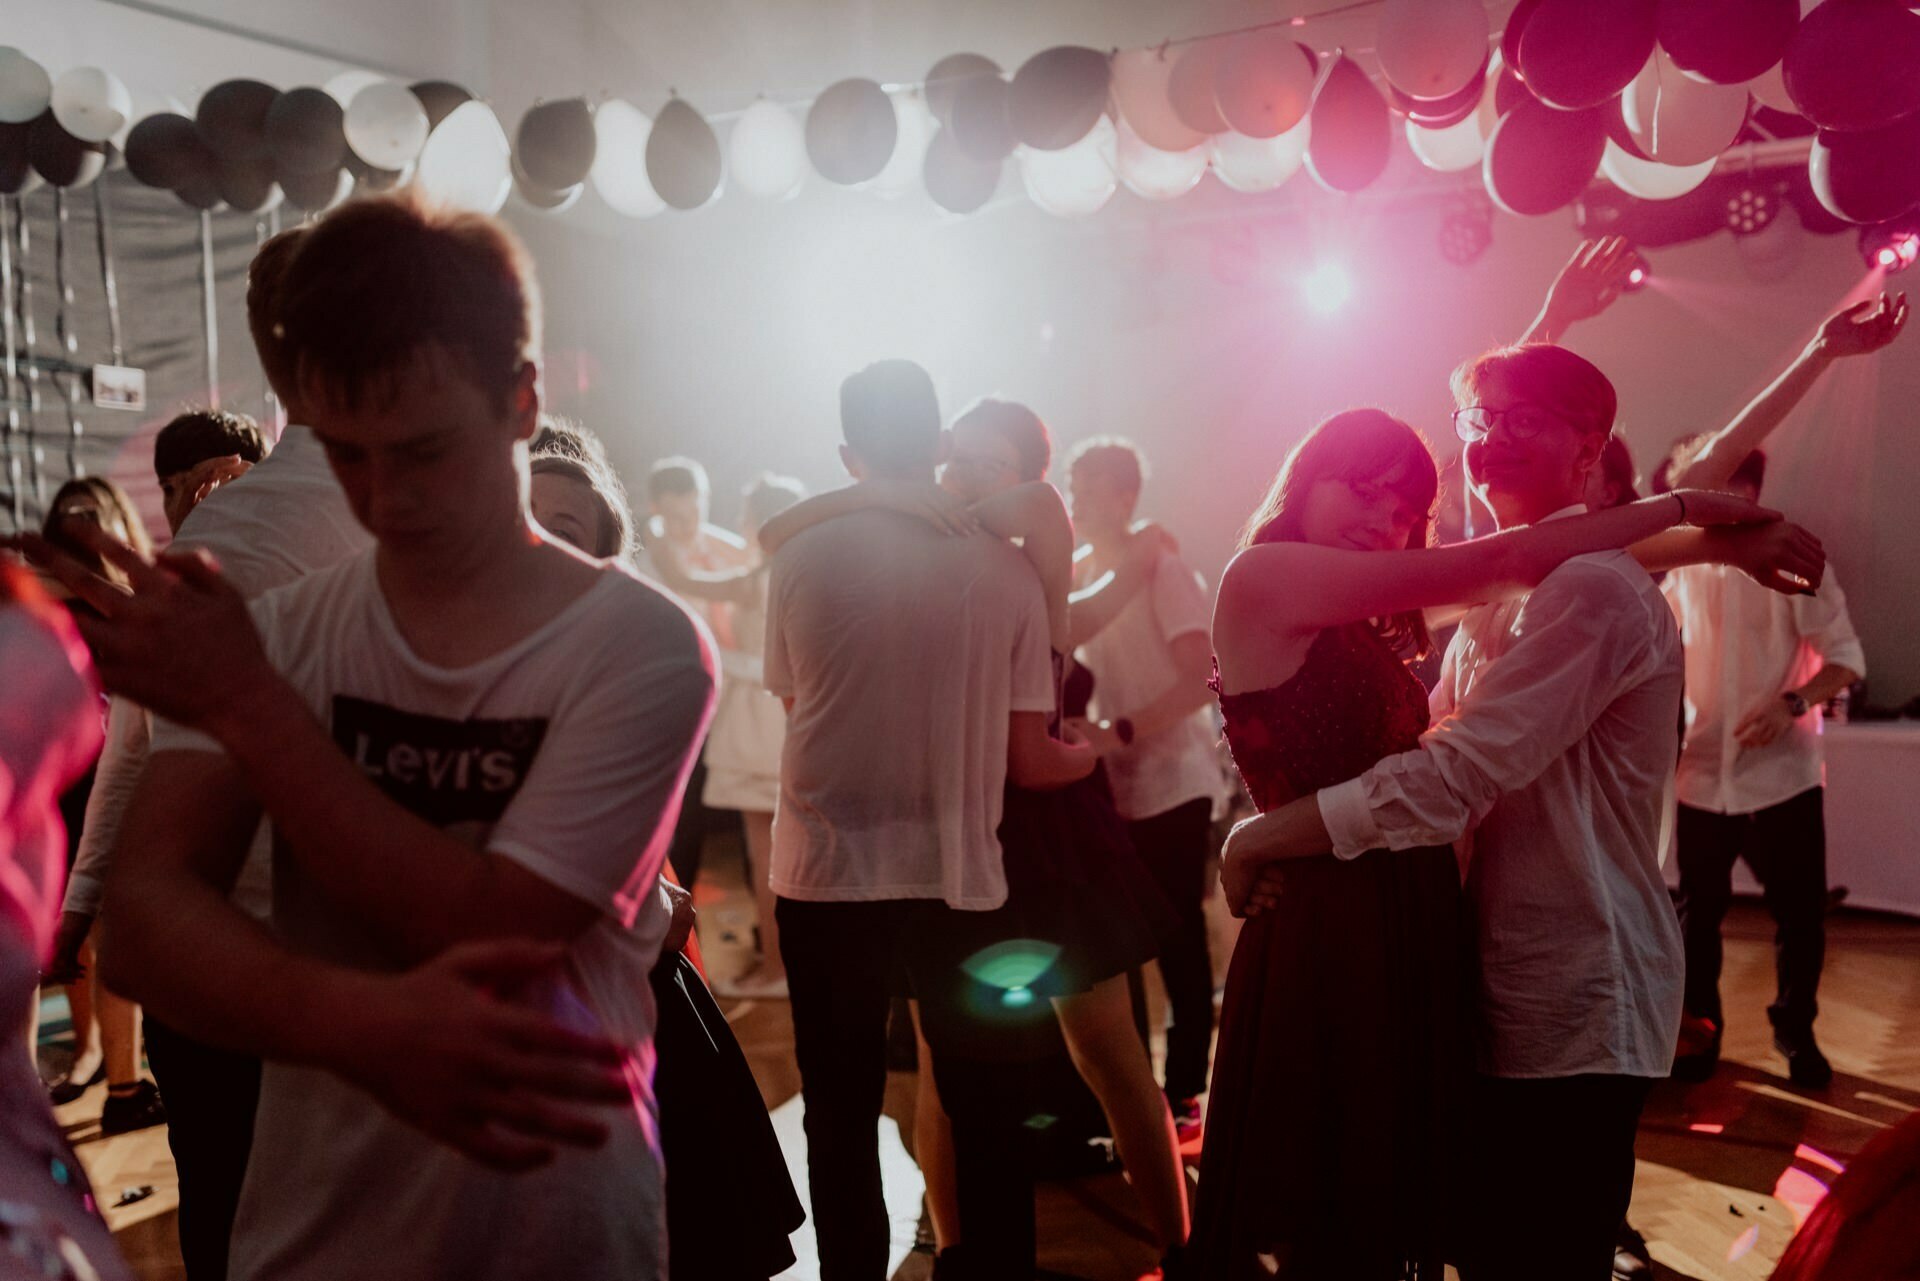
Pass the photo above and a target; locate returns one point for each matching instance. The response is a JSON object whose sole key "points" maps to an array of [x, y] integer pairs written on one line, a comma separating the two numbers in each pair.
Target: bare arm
{"points": [[927, 502], [1864, 327], [1303, 587], [1039, 762], [1034, 514], [1585, 287], [469, 1065], [734, 586], [1781, 555], [1099, 603]]}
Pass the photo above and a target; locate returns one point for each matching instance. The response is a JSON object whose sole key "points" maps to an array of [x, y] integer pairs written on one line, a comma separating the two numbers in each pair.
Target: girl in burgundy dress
{"points": [[1343, 1037]]}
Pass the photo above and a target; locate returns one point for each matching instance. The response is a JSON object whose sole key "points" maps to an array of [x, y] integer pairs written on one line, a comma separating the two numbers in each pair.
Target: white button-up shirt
{"points": [[1554, 744], [1746, 646]]}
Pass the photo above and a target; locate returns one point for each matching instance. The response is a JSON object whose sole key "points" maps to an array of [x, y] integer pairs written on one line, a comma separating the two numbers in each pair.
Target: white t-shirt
{"points": [[566, 752], [904, 651], [1132, 662], [284, 519]]}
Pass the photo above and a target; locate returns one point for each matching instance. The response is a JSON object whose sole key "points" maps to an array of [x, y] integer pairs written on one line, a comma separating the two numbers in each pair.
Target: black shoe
{"points": [[1806, 1065], [1631, 1262], [1699, 1058], [66, 1089], [125, 1113]]}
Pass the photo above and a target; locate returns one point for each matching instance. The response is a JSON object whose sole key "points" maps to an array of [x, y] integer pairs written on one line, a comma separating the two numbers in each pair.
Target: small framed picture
{"points": [[119, 387]]}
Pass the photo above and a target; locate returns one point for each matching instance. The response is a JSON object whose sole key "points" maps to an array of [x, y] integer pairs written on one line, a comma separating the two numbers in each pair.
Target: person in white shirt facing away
{"points": [[1155, 734], [1760, 667], [1552, 753], [472, 741], [915, 667]]}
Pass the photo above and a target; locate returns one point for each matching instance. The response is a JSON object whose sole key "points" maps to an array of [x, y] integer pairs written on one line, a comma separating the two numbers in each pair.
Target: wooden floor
{"points": [[1727, 1169]]}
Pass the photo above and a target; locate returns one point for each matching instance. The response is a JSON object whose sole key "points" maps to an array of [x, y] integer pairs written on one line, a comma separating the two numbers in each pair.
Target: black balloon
{"points": [[957, 181], [163, 149], [1855, 64], [540, 197], [851, 131], [979, 123], [232, 118], [311, 192], [1058, 94], [1539, 159], [16, 166], [555, 144], [1352, 132], [1726, 41], [306, 132], [61, 158], [1577, 54], [248, 185], [683, 156], [1868, 176], [948, 74], [200, 191], [439, 97]]}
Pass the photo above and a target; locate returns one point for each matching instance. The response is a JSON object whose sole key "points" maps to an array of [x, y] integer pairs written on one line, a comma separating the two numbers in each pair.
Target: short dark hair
{"points": [[676, 476], [1020, 427], [768, 496], [890, 416], [266, 276], [1752, 471], [383, 280], [1114, 457], [199, 434], [1545, 374]]}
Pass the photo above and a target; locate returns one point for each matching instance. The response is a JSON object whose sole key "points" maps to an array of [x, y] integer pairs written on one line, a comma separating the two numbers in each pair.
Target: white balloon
{"points": [[1432, 48], [914, 131], [767, 152], [346, 86], [1259, 164], [25, 87], [1679, 120], [91, 103], [1075, 181], [1153, 174], [386, 126], [467, 162], [619, 172], [1649, 179], [1448, 150], [1769, 89]]}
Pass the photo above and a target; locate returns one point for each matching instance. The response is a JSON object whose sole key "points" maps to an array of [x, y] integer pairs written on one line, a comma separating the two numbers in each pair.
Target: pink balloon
{"points": [[1140, 83], [1264, 84], [1855, 64], [1432, 48]]}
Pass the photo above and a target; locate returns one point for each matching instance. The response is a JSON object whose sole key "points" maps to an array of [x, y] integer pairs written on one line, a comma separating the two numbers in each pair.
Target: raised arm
{"points": [[1099, 603], [1585, 287], [1034, 514], [928, 502], [1308, 587], [1852, 331]]}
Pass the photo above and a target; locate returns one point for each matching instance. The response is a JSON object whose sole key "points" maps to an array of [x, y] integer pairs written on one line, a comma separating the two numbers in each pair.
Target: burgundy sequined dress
{"points": [[1341, 1055]]}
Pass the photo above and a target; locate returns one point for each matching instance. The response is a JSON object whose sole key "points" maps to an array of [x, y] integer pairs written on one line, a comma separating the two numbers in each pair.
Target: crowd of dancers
{"points": [[416, 732]]}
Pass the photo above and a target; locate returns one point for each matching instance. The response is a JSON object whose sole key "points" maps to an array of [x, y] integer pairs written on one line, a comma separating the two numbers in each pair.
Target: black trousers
{"points": [[1176, 846], [1786, 846], [1551, 1173], [845, 962], [211, 1095]]}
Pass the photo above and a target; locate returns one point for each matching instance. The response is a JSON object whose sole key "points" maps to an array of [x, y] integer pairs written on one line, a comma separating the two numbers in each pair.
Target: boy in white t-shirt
{"points": [[472, 743]]}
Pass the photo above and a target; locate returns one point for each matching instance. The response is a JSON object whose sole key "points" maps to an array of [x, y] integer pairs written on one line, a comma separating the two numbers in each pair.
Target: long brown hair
{"points": [[1355, 445], [118, 517]]}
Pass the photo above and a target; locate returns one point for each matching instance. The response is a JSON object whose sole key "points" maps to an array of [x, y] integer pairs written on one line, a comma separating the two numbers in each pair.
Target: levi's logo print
{"points": [[451, 773]]}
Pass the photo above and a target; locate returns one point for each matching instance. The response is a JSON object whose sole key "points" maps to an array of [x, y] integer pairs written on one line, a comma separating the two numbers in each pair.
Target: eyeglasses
{"points": [[1524, 421]]}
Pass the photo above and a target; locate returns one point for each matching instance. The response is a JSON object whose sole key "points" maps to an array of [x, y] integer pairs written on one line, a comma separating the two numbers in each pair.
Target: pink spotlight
{"points": [[1638, 276], [1327, 288], [1888, 257]]}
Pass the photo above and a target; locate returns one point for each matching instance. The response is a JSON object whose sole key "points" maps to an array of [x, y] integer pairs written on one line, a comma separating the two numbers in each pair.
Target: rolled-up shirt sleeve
{"points": [[1577, 637], [1821, 619]]}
